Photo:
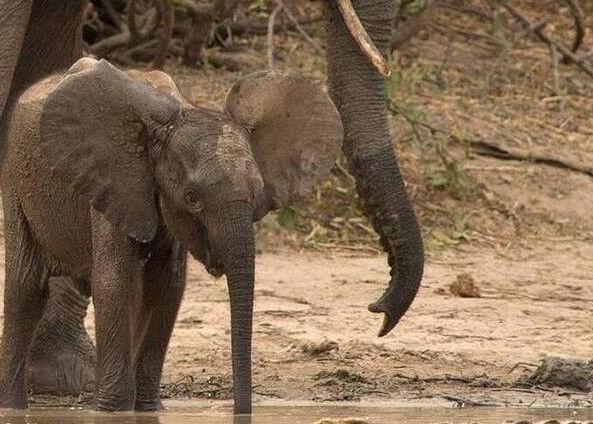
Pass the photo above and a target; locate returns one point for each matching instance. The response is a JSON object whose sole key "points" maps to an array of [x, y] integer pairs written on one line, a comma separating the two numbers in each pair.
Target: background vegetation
{"points": [[475, 82]]}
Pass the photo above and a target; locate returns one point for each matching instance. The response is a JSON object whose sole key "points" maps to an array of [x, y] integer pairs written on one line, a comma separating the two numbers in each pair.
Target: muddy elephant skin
{"points": [[40, 37], [111, 177]]}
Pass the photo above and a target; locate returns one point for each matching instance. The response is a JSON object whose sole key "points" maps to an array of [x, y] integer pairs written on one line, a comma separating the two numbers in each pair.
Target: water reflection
{"points": [[86, 418], [291, 414], [242, 419]]}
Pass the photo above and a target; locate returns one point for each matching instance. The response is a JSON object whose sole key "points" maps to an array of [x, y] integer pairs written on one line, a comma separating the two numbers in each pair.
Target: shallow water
{"points": [[297, 415]]}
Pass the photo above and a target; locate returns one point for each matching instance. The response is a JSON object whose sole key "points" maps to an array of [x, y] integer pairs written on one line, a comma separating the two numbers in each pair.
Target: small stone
{"points": [[318, 349], [465, 286]]}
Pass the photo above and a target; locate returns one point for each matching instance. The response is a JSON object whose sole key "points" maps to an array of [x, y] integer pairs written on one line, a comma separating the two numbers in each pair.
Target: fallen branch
{"points": [[126, 38], [412, 26], [256, 26], [467, 402], [300, 29], [482, 13], [538, 30], [204, 21], [488, 148], [109, 9], [132, 23], [271, 21], [166, 35], [485, 148], [579, 24]]}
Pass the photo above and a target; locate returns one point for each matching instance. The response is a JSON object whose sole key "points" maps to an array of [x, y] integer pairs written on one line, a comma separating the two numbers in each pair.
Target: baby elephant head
{"points": [[142, 155]]}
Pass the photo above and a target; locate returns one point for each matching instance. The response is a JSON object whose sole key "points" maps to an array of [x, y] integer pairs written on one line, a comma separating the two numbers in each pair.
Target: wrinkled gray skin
{"points": [[110, 178], [36, 50]]}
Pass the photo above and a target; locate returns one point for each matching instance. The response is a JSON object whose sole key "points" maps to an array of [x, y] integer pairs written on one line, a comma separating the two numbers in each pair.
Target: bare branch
{"points": [[132, 25], [277, 9], [204, 21], [115, 17], [260, 27], [108, 45], [538, 31], [555, 76], [412, 26], [300, 29], [223, 9], [579, 24], [166, 34]]}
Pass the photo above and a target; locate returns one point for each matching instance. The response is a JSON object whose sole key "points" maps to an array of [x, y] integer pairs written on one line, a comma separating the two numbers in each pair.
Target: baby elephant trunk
{"points": [[233, 240]]}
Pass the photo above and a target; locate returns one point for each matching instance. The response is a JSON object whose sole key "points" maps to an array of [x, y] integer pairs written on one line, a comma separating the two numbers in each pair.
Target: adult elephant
{"points": [[40, 37]]}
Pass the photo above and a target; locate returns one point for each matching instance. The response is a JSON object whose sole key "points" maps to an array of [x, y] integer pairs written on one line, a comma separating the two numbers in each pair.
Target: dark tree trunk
{"points": [[358, 91]]}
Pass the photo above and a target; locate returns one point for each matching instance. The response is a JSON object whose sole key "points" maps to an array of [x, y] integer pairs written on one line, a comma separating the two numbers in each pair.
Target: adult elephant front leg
{"points": [[14, 16], [25, 283], [62, 355], [358, 91]]}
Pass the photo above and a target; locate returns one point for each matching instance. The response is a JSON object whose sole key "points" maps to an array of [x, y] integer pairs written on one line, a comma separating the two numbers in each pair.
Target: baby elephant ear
{"points": [[295, 131], [95, 129]]}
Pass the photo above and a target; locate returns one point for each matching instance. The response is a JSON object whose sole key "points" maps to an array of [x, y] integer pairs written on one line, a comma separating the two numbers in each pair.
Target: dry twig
{"points": [[129, 37], [112, 14], [492, 149], [537, 29], [277, 9], [166, 34], [579, 24], [300, 29]]}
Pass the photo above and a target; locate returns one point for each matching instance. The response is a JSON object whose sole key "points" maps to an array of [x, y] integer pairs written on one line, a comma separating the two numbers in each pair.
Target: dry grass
{"points": [[470, 79]]}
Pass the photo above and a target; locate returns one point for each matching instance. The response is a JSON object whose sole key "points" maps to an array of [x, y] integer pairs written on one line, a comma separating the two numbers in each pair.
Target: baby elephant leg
{"points": [[115, 277], [164, 282], [25, 283], [62, 355]]}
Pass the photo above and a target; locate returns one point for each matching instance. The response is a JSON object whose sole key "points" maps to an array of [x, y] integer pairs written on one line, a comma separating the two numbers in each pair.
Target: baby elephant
{"points": [[111, 177]]}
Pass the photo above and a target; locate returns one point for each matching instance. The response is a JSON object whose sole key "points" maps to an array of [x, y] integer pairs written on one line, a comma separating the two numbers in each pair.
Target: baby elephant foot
{"points": [[115, 395], [108, 404], [147, 405]]}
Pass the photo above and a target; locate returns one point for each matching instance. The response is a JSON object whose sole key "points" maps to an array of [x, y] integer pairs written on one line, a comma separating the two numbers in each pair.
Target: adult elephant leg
{"points": [[62, 355], [37, 39], [25, 280], [47, 38], [14, 16], [358, 91]]}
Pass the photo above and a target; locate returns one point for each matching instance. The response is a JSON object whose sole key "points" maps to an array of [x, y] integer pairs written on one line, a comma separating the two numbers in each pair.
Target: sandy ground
{"points": [[527, 245], [315, 340]]}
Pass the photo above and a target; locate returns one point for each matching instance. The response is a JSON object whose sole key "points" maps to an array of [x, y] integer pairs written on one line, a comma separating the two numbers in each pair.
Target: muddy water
{"points": [[299, 415]]}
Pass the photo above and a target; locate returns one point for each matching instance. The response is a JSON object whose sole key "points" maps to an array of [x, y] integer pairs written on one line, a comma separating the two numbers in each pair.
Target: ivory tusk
{"points": [[362, 38]]}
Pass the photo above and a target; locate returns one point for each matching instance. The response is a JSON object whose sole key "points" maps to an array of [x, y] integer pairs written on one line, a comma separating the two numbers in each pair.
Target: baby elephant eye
{"points": [[192, 199]]}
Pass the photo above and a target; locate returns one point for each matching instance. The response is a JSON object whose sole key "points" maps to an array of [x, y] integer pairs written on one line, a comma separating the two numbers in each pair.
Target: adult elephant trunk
{"points": [[358, 92], [233, 241]]}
